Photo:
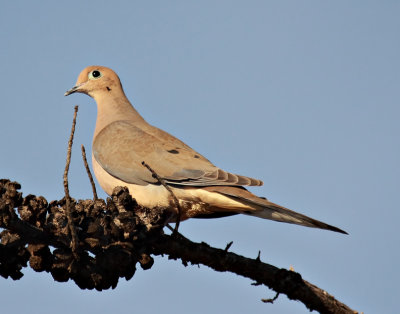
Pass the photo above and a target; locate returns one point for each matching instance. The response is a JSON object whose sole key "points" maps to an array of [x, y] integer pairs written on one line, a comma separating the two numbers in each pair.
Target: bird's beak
{"points": [[74, 89]]}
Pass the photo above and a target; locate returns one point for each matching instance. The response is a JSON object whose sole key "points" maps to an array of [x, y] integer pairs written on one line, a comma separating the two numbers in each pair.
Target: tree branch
{"points": [[279, 279], [114, 236]]}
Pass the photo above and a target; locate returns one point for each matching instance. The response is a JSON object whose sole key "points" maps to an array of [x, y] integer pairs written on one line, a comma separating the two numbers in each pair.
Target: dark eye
{"points": [[94, 75]]}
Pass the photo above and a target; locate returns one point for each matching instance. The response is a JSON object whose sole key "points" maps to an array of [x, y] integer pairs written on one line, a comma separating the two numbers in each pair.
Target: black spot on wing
{"points": [[173, 151], [196, 156]]}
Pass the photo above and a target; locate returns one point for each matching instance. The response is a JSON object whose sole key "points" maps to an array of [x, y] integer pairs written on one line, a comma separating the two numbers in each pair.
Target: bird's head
{"points": [[95, 81]]}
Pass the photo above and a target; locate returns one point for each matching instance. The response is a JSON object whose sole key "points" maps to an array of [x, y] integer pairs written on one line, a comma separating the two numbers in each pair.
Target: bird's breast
{"points": [[149, 195]]}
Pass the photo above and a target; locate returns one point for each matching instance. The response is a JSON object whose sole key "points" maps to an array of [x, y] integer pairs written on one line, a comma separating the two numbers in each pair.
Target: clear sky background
{"points": [[301, 94]]}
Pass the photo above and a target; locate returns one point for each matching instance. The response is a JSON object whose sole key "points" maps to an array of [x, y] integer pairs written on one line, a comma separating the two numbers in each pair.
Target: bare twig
{"points": [[271, 300], [169, 227], [89, 173], [258, 259], [74, 236], [176, 201], [228, 246]]}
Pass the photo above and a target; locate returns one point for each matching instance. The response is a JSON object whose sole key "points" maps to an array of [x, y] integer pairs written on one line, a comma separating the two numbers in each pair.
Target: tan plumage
{"points": [[123, 139]]}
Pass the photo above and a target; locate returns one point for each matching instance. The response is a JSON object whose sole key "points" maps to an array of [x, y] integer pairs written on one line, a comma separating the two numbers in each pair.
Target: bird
{"points": [[123, 141]]}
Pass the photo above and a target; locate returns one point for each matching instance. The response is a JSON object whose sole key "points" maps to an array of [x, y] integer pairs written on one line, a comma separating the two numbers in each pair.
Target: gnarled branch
{"points": [[113, 236]]}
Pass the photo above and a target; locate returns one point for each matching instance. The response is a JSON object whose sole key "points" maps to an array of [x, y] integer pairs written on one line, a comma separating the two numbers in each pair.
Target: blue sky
{"points": [[303, 95]]}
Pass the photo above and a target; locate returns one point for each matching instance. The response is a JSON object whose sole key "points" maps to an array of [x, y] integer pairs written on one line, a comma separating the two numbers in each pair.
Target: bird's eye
{"points": [[94, 75]]}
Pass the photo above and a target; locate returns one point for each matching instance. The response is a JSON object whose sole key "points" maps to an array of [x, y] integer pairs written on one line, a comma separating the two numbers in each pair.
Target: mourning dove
{"points": [[123, 140]]}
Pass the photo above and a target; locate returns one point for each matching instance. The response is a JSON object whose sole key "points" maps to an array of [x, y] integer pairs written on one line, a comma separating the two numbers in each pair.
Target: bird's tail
{"points": [[263, 208], [279, 213]]}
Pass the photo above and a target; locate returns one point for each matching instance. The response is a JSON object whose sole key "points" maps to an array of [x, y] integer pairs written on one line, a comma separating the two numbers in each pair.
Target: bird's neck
{"points": [[114, 107]]}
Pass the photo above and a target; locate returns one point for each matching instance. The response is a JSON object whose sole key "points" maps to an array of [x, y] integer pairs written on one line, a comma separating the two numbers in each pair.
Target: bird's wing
{"points": [[121, 147]]}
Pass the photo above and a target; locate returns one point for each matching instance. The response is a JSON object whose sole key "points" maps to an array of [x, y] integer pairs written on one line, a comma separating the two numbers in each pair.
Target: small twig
{"points": [[271, 300], [228, 246], [258, 259], [89, 173], [162, 182], [175, 233], [71, 227], [169, 227]]}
